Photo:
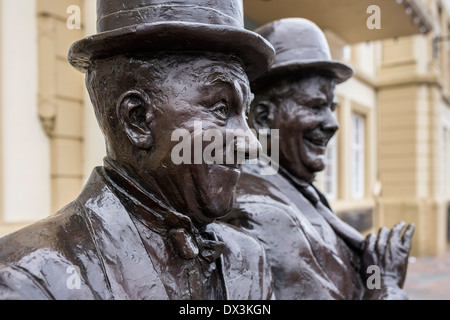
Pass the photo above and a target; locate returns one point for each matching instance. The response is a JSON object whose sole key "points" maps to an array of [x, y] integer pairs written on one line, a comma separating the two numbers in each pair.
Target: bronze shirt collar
{"points": [[188, 240]]}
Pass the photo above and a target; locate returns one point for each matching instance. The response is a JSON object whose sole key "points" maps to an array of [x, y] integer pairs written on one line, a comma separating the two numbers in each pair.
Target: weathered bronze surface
{"points": [[313, 254], [143, 227]]}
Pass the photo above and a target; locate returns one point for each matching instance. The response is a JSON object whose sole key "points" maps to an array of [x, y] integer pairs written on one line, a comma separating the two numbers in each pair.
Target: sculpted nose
{"points": [[330, 123], [246, 145]]}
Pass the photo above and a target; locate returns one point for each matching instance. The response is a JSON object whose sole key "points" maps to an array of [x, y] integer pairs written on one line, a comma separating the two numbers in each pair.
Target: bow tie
{"points": [[187, 240], [190, 243]]}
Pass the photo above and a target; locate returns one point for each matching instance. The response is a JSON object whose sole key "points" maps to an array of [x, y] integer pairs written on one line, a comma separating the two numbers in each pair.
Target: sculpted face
{"points": [[155, 97], [216, 94], [307, 123], [212, 91]]}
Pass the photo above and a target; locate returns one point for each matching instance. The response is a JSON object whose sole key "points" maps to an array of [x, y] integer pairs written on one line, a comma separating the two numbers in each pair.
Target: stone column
{"points": [[61, 98]]}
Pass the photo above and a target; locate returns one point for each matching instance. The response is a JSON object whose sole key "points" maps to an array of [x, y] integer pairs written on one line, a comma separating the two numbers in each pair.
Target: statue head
{"points": [[159, 66], [297, 95]]}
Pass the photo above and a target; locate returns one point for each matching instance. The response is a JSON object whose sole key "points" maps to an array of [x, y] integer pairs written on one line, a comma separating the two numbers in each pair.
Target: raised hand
{"points": [[389, 250]]}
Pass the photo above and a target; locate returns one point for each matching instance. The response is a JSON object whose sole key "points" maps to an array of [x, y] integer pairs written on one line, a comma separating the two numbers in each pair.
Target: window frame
{"points": [[330, 178], [358, 151]]}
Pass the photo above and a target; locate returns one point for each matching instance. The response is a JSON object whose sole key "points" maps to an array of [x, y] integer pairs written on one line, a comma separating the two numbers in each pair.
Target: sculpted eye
{"points": [[220, 109], [318, 107]]}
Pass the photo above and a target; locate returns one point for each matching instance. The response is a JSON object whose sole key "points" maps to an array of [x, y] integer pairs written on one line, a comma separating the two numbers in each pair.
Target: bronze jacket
{"points": [[96, 236], [311, 258]]}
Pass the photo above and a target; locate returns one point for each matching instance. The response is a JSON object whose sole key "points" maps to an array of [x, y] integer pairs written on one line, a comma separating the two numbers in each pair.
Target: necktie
{"points": [[345, 231]]}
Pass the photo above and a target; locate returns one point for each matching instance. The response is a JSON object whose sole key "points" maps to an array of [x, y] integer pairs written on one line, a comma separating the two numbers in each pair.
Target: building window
{"points": [[330, 177], [357, 156]]}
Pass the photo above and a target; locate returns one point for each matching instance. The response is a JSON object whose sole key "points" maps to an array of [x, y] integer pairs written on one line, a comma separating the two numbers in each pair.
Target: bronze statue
{"points": [[144, 227], [313, 254]]}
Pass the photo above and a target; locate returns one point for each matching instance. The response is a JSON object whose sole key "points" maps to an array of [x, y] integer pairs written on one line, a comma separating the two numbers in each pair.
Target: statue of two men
{"points": [[146, 228]]}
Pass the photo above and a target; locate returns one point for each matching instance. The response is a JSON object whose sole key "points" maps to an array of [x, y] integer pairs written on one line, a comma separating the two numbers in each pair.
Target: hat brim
{"points": [[256, 53], [335, 69]]}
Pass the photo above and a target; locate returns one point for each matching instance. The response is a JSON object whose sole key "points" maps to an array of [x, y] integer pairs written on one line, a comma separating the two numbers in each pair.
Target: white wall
{"points": [[26, 155], [94, 143]]}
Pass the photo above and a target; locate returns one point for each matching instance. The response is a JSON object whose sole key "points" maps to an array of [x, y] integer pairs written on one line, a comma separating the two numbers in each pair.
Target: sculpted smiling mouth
{"points": [[318, 141]]}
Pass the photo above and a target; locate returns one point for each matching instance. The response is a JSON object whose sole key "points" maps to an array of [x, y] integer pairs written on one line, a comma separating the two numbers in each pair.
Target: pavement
{"points": [[428, 278]]}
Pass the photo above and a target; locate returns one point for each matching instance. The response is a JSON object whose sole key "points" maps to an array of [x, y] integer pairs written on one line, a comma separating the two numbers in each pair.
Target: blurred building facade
{"points": [[389, 162]]}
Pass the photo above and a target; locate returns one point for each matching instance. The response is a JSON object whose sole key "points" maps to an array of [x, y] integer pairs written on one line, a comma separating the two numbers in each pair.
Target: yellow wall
{"points": [[61, 90], [59, 112], [412, 111], [25, 156], [405, 119]]}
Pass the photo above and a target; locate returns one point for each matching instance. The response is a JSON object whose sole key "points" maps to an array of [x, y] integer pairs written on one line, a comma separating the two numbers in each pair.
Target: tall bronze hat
{"points": [[300, 45], [165, 25]]}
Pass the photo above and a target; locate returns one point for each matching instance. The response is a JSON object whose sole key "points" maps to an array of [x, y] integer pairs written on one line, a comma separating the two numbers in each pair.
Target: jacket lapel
{"points": [[246, 273], [126, 264], [350, 235]]}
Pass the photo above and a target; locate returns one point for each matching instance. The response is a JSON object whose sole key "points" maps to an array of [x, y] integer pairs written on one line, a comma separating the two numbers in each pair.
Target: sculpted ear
{"points": [[262, 114], [135, 114]]}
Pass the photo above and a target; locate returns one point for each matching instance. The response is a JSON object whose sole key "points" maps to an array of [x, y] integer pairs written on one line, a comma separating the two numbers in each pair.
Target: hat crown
{"points": [[116, 14], [296, 39]]}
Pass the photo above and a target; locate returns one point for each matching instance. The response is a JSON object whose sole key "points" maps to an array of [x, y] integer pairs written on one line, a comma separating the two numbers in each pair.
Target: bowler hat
{"points": [[300, 45], [165, 25]]}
